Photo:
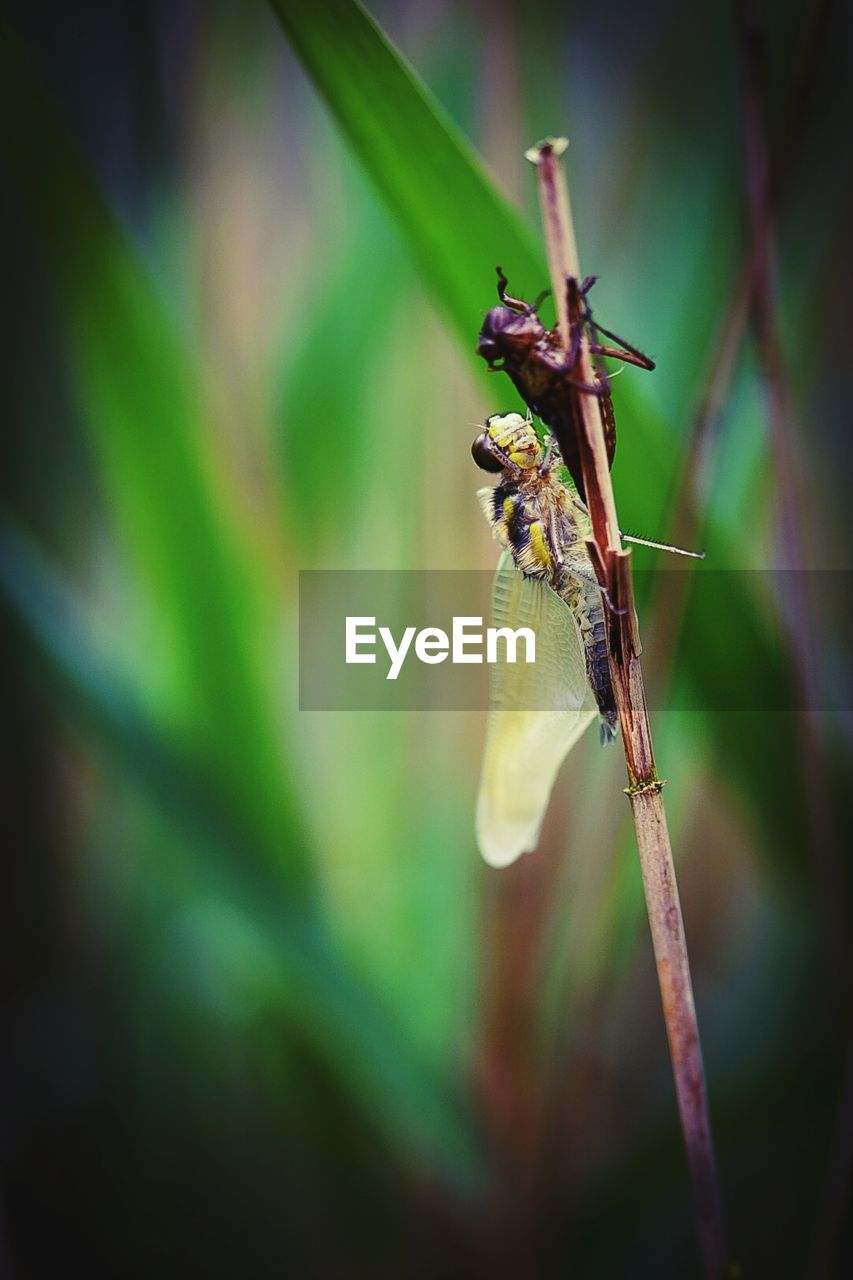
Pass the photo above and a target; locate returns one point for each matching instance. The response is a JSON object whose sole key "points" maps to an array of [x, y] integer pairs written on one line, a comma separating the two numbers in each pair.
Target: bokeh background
{"points": [[264, 1010]]}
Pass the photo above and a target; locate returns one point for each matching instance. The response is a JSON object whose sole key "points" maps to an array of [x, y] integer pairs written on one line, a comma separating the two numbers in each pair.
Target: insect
{"points": [[514, 339], [545, 581]]}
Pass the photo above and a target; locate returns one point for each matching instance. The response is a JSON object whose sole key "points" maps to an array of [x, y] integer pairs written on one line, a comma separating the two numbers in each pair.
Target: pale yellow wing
{"points": [[539, 710]]}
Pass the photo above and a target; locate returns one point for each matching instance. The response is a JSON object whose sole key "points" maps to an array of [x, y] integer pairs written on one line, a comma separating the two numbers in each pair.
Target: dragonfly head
{"points": [[507, 334], [508, 441]]}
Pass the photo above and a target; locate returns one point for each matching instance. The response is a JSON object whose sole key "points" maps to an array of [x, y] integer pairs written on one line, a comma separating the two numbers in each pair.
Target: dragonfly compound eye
{"points": [[484, 453]]}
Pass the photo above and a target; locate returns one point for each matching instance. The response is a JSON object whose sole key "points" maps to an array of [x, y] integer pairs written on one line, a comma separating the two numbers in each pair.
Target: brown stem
{"points": [[644, 791]]}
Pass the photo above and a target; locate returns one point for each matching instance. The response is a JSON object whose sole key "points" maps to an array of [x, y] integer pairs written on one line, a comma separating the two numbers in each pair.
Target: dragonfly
{"points": [[545, 581], [514, 339]]}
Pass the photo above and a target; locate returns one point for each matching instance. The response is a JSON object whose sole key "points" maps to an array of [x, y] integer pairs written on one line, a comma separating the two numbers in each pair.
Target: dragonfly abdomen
{"points": [[585, 603], [598, 670]]}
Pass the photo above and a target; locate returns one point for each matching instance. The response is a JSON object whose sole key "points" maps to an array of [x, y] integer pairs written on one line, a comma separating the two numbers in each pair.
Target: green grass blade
{"points": [[456, 225], [211, 617], [298, 962]]}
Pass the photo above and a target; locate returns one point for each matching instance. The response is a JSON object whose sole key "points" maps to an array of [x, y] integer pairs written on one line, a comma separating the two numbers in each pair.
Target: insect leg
{"points": [[590, 580], [590, 388], [661, 546], [518, 304], [550, 449], [635, 537], [554, 531], [625, 350], [514, 304], [631, 355], [579, 318]]}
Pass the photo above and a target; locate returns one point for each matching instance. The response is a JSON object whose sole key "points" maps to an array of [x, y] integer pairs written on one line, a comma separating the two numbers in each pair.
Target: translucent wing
{"points": [[539, 710]]}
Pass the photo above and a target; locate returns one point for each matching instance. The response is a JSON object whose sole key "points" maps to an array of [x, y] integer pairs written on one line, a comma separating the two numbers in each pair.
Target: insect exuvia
{"points": [[514, 339], [546, 581]]}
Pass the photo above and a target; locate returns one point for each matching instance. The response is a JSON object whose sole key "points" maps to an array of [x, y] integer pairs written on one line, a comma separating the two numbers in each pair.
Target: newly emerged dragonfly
{"points": [[545, 581]]}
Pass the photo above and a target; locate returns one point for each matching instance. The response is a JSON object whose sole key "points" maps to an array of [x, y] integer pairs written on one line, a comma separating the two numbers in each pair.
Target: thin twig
{"points": [[784, 436], [644, 791], [791, 479]]}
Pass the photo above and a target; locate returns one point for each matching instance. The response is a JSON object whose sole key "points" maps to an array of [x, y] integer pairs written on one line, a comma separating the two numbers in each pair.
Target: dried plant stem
{"points": [[644, 790]]}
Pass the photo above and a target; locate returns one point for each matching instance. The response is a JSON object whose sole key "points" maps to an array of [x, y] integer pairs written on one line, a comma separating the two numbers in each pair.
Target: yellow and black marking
{"points": [[539, 545]]}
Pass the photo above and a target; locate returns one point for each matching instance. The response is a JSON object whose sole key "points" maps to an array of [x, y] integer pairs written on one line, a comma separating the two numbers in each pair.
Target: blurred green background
{"points": [[265, 1012]]}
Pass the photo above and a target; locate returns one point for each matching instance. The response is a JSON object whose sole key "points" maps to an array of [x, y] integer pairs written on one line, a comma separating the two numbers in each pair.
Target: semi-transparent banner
{"points": [[372, 640]]}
